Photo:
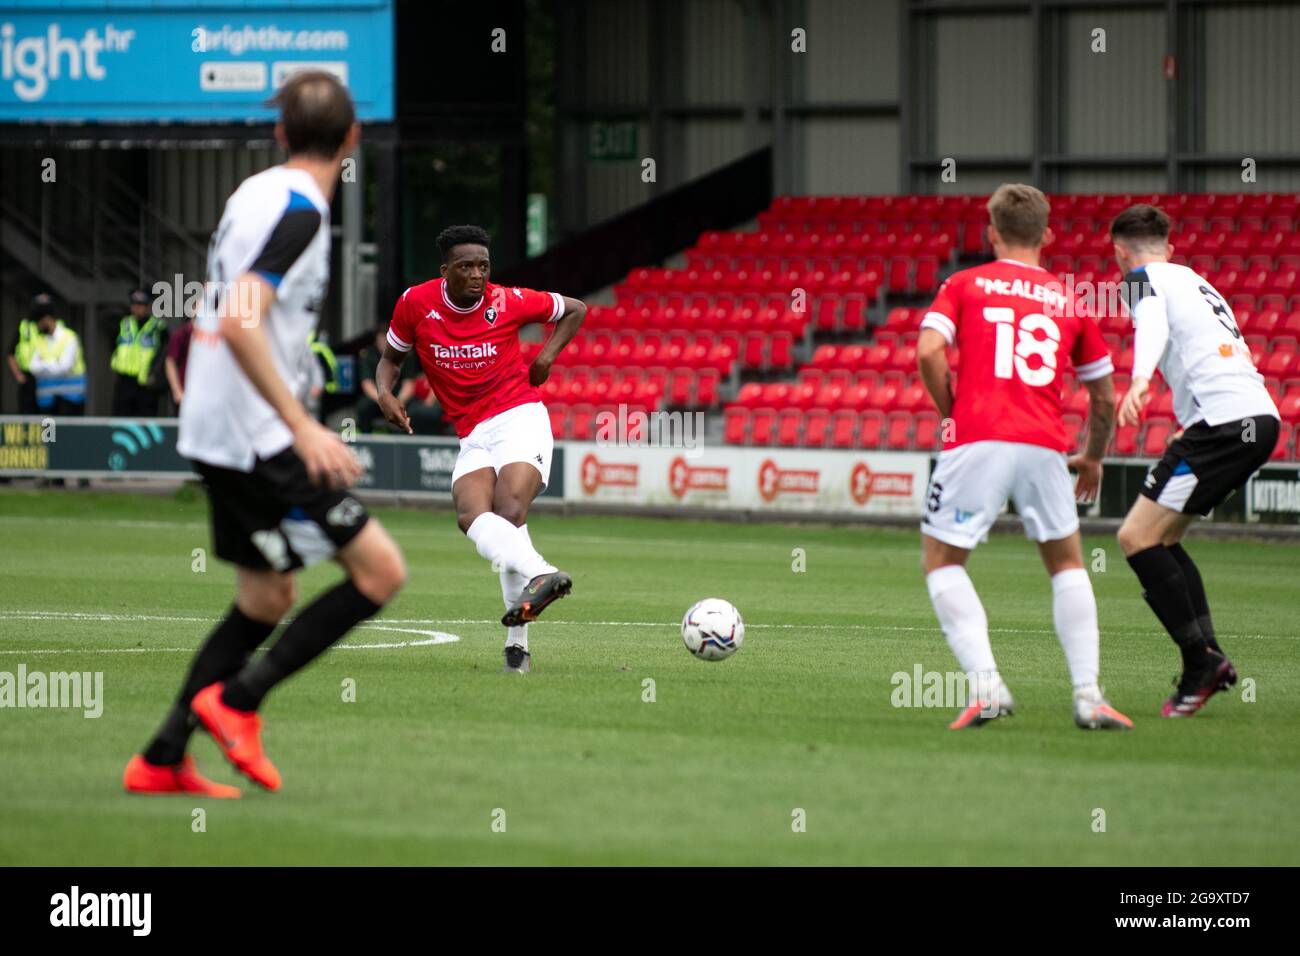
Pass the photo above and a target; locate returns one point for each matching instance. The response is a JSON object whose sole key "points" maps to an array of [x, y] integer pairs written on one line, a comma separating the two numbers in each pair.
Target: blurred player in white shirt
{"points": [[276, 478]]}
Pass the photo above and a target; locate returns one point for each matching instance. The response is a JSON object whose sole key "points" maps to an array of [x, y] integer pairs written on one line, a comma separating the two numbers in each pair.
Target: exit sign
{"points": [[612, 139]]}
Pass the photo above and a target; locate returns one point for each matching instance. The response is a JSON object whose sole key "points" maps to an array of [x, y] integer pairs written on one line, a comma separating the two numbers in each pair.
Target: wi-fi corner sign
{"points": [[186, 62]]}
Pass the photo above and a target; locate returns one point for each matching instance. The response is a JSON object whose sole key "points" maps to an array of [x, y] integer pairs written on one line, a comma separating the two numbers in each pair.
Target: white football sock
{"points": [[965, 625], [1074, 609], [500, 542], [512, 585]]}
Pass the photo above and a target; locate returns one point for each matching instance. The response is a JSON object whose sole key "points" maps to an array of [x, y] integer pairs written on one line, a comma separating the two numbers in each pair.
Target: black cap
{"points": [[42, 305], [140, 297]]}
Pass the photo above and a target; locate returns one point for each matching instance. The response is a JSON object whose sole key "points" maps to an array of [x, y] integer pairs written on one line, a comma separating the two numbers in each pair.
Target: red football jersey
{"points": [[1015, 327], [471, 356]]}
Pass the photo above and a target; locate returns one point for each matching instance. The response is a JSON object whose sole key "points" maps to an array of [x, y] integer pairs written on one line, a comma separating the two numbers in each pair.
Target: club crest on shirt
{"points": [[491, 315]]}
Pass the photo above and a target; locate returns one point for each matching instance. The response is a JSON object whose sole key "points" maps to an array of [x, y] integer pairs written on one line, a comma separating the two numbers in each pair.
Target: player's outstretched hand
{"points": [[395, 412], [328, 459], [539, 371], [1135, 399], [1088, 486]]}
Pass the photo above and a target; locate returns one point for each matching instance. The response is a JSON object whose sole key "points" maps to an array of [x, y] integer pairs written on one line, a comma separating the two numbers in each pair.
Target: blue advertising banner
{"points": [[196, 62]]}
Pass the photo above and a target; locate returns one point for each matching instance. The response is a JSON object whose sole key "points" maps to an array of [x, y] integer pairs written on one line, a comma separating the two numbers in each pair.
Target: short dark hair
{"points": [[454, 236], [1142, 224], [316, 112]]}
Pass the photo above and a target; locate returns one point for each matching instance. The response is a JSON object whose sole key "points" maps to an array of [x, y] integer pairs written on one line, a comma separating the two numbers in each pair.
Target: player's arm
{"points": [[936, 375], [387, 375], [1101, 426], [1150, 338], [247, 305], [566, 327]]}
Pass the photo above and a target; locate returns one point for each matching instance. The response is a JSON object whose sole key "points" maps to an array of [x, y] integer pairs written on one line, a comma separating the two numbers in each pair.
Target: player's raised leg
{"points": [[492, 510], [228, 709], [517, 485]]}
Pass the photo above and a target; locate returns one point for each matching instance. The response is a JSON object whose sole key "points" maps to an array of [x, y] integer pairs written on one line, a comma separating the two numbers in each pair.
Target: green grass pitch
{"points": [[713, 771]]}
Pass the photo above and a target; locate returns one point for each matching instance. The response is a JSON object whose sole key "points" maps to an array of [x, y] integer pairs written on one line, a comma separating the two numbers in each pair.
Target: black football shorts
{"points": [[274, 517], [1207, 463]]}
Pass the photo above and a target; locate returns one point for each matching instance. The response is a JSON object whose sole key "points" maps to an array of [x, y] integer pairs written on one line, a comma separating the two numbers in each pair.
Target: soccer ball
{"points": [[712, 629]]}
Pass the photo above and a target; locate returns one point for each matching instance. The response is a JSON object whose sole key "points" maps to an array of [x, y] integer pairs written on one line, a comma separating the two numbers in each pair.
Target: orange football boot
{"points": [[239, 735], [141, 776]]}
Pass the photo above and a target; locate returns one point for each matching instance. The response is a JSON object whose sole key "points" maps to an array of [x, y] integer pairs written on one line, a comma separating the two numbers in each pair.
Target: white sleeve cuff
{"points": [[558, 310], [1095, 370], [397, 343], [941, 324]]}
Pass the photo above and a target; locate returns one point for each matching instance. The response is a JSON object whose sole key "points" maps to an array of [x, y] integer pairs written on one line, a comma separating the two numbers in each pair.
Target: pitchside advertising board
{"points": [[760, 479], [126, 60], [146, 448]]}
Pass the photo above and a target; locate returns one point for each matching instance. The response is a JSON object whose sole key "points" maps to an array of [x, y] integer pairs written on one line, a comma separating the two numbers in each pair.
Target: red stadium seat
{"points": [[559, 415], [1125, 444], [898, 431], [750, 395], [816, 425], [871, 426], [762, 427], [707, 386], [789, 423], [915, 399], [581, 422], [927, 274], [884, 398], [1283, 450], [927, 432], [1157, 437], [735, 425], [781, 351], [843, 427], [1279, 363]]}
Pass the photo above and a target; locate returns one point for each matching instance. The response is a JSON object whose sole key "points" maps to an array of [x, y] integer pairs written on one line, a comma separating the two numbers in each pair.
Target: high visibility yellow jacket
{"points": [[136, 345]]}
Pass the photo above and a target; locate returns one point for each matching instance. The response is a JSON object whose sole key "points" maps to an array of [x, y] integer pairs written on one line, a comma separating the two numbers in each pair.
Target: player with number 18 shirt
{"points": [[1018, 333]]}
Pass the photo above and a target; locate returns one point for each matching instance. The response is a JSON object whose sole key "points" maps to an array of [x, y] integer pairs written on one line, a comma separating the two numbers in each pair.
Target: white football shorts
{"points": [[971, 484], [522, 433]]}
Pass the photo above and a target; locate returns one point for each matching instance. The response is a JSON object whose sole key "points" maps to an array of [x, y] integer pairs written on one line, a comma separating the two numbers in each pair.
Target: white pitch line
{"points": [[495, 622], [431, 637]]}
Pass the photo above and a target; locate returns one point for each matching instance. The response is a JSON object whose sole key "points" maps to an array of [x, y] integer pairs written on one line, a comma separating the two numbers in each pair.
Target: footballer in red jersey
{"points": [[465, 332], [1004, 438]]}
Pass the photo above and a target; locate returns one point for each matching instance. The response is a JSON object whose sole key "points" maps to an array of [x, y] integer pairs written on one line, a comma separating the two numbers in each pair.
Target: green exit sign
{"points": [[612, 139]]}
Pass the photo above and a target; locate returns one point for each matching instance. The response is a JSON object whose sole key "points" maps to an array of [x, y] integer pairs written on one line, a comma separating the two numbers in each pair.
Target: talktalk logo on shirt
{"points": [[481, 350]]}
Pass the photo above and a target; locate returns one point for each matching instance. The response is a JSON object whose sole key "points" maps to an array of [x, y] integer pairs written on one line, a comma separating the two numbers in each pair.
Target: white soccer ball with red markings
{"points": [[712, 629]]}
